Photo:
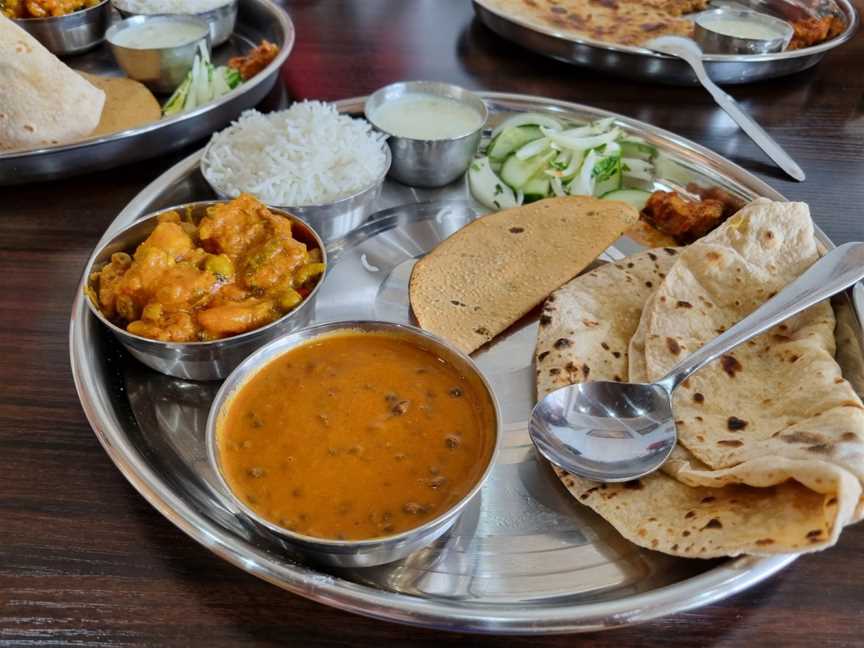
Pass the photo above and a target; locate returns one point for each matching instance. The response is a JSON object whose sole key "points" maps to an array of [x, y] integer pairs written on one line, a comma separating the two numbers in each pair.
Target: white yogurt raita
{"points": [[158, 35], [738, 28], [426, 116]]}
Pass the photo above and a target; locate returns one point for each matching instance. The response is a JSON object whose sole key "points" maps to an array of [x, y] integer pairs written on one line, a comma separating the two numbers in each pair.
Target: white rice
{"points": [[169, 6], [309, 154]]}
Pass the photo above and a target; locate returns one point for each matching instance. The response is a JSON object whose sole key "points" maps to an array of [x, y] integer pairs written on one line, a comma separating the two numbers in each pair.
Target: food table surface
{"points": [[84, 560]]}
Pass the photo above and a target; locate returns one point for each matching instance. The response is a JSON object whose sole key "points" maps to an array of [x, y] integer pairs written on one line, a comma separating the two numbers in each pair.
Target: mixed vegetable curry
{"points": [[238, 269], [43, 8], [355, 436]]}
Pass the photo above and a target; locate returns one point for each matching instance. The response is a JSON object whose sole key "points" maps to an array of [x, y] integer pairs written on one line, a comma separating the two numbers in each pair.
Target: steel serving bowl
{"points": [[717, 42], [352, 553], [428, 162], [331, 220], [221, 20], [72, 33], [212, 360], [161, 69]]}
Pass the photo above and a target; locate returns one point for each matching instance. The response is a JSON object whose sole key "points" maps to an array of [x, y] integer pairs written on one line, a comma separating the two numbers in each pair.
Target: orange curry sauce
{"points": [[238, 269], [354, 436]]}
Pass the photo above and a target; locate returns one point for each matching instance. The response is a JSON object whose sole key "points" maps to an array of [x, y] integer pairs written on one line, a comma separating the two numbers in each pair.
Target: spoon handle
{"points": [[833, 273], [762, 139]]}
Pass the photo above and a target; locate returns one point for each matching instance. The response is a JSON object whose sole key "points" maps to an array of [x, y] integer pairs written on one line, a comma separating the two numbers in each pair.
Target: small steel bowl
{"points": [[221, 20], [352, 553], [73, 33], [424, 162], [211, 360], [331, 220], [161, 69], [716, 42]]}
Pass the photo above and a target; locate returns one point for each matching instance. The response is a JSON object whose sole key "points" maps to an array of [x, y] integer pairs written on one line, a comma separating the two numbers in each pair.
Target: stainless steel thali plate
{"points": [[524, 557], [256, 20], [643, 64]]}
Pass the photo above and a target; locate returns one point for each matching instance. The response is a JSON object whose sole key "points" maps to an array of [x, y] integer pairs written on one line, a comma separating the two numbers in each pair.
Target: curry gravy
{"points": [[354, 436]]}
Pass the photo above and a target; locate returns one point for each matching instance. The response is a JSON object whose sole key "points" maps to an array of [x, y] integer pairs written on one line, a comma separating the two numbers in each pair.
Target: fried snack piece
{"points": [[255, 61], [812, 31], [683, 219]]}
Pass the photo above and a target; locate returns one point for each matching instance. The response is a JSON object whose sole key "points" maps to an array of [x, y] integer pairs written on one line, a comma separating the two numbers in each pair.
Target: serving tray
{"points": [[645, 65], [256, 20], [525, 557]]}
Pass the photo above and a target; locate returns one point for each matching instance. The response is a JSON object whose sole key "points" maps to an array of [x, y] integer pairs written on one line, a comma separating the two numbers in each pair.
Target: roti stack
{"points": [[770, 456], [489, 274], [44, 101]]}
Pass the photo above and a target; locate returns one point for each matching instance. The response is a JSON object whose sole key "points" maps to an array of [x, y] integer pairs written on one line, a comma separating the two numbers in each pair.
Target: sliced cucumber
{"points": [[635, 197], [537, 188], [488, 188], [517, 173], [607, 175], [527, 119], [634, 148], [512, 139]]}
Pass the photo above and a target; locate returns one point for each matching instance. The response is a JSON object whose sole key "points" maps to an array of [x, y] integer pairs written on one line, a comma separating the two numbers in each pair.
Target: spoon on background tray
{"points": [[615, 432], [690, 52]]}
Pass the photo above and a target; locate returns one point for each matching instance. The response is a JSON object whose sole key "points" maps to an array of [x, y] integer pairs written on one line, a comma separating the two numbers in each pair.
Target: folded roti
{"points": [[44, 102], [764, 497]]}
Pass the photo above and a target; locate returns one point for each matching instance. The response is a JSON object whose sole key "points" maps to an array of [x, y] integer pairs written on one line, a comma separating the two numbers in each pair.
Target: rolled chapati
{"points": [[771, 438], [44, 102]]}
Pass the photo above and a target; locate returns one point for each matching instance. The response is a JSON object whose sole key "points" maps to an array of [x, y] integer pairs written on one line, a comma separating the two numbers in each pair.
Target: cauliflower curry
{"points": [[238, 269]]}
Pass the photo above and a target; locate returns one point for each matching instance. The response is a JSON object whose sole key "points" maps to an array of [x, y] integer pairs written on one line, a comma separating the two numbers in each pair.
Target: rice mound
{"points": [[309, 154]]}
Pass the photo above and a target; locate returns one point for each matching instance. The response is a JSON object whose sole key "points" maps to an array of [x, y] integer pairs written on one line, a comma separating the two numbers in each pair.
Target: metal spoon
{"points": [[613, 432], [690, 52]]}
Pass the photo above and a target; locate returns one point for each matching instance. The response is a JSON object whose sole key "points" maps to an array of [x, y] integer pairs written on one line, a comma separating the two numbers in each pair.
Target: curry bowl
{"points": [[328, 472], [72, 33], [211, 359]]}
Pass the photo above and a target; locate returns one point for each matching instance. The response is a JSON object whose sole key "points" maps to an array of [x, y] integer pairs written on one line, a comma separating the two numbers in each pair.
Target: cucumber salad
{"points": [[533, 156]]}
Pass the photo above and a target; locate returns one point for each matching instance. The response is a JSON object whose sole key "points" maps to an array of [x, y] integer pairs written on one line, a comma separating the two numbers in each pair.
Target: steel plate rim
{"points": [[725, 580], [262, 77], [849, 11]]}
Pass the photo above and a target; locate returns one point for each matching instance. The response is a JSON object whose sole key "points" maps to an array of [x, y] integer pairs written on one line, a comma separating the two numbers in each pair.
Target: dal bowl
{"points": [[379, 474], [207, 360]]}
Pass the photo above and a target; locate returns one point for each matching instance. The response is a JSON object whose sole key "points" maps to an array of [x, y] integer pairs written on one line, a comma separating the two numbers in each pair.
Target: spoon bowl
{"points": [[615, 431]]}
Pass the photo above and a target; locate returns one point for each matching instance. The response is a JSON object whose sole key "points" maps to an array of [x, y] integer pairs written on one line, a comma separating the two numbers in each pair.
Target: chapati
{"points": [[46, 103], [748, 477]]}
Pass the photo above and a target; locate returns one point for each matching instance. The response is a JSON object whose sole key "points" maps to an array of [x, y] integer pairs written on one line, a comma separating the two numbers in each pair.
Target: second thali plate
{"points": [[524, 557], [643, 64], [256, 20]]}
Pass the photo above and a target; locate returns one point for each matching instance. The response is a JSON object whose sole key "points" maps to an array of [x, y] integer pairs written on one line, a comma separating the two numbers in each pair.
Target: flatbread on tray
{"points": [[748, 476], [43, 102], [622, 22]]}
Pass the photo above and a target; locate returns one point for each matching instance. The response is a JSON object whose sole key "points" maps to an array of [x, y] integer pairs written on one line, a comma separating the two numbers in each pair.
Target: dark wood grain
{"points": [[84, 560]]}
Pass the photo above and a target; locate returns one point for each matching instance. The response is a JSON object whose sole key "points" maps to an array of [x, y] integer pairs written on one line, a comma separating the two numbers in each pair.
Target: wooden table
{"points": [[85, 560]]}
